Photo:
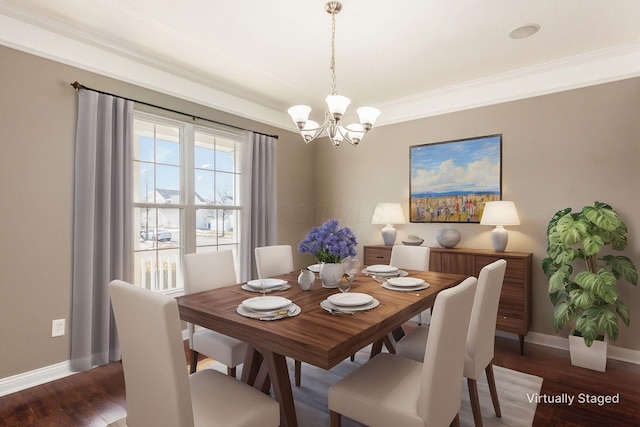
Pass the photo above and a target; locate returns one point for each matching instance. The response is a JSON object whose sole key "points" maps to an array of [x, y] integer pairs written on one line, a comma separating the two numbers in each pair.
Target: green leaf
{"points": [[602, 216], [566, 255], [581, 298], [562, 314], [602, 284], [557, 296], [588, 327], [556, 217], [623, 312], [622, 267], [549, 267], [559, 279], [618, 237], [606, 320], [571, 231], [592, 244]]}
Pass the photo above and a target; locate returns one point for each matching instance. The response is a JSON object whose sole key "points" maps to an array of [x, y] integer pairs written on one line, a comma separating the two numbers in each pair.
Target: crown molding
{"points": [[596, 67], [52, 40]]}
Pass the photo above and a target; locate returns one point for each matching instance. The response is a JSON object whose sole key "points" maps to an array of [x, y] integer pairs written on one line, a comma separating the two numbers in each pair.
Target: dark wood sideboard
{"points": [[514, 312]]}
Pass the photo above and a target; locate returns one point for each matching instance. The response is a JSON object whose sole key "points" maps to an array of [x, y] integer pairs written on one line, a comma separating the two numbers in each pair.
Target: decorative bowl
{"points": [[413, 241]]}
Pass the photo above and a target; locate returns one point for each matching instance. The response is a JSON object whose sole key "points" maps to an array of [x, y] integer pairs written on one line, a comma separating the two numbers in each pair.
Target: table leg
{"points": [[279, 375], [252, 362]]}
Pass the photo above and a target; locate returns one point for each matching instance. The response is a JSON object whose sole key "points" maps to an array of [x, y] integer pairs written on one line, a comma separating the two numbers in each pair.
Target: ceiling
{"points": [[409, 58]]}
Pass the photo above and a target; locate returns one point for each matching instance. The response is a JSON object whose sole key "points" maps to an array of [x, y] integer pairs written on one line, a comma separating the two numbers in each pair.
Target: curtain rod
{"points": [[77, 86]]}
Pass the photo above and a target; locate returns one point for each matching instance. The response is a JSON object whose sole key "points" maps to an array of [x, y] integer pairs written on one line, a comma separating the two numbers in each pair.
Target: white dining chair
{"points": [[480, 339], [389, 390], [204, 271], [159, 391], [273, 261], [411, 258]]}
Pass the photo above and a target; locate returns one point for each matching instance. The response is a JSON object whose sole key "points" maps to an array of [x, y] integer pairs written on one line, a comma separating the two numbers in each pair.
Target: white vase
{"points": [[330, 274], [594, 357]]}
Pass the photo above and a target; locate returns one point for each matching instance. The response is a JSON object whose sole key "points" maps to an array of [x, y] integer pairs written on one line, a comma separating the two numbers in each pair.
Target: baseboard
{"points": [[613, 352], [34, 378], [44, 375]]}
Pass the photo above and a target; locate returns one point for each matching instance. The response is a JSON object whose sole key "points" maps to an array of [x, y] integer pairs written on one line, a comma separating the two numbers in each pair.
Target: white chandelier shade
{"points": [[336, 106]]}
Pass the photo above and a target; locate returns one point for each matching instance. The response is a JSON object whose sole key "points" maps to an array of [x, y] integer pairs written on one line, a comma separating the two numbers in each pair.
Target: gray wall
{"points": [[37, 129], [562, 150]]}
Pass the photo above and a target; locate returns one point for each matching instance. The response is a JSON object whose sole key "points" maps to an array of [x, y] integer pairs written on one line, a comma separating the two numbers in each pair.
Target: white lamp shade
{"points": [[388, 213], [309, 130], [299, 113], [500, 213], [337, 104], [368, 115]]}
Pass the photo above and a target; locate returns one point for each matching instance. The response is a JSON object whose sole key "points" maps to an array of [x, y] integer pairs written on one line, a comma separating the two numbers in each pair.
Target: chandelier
{"points": [[336, 105]]}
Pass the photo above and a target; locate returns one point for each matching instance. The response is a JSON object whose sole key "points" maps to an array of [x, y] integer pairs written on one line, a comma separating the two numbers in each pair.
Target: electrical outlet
{"points": [[57, 328]]}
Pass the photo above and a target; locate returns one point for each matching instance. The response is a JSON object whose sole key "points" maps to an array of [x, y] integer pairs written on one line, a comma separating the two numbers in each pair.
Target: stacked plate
{"points": [[268, 308], [314, 267], [384, 270], [349, 303], [269, 285], [405, 284]]}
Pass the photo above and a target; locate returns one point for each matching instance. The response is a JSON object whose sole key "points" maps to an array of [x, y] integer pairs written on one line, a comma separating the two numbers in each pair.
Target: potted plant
{"points": [[582, 283]]}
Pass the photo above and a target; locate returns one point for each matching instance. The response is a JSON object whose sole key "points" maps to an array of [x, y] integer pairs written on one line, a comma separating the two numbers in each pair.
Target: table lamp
{"points": [[500, 213], [388, 214]]}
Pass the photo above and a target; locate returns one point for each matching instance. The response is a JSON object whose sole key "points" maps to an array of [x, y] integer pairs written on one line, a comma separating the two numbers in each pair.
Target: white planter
{"points": [[594, 357]]}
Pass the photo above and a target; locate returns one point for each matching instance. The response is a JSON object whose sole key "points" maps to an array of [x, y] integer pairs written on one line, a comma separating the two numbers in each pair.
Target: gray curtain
{"points": [[102, 223], [259, 195]]}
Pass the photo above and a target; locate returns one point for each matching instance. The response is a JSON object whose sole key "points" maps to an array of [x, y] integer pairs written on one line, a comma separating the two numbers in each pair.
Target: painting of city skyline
{"points": [[451, 181]]}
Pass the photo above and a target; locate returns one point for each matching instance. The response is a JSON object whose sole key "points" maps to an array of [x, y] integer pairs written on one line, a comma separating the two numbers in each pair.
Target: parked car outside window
{"points": [[162, 235]]}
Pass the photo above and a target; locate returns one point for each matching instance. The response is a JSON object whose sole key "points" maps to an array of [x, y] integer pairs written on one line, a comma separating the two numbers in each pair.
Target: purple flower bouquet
{"points": [[329, 243]]}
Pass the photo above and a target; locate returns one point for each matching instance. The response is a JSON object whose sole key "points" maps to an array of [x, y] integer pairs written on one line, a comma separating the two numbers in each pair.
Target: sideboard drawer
{"points": [[377, 255]]}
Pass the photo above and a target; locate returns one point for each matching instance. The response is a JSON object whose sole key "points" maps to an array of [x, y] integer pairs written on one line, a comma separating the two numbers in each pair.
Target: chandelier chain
{"points": [[332, 66]]}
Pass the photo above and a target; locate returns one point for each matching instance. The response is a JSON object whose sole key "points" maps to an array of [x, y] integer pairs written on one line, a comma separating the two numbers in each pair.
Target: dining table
{"points": [[315, 336]]}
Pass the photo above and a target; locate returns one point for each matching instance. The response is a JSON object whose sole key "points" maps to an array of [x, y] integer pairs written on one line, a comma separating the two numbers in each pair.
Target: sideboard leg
{"points": [[521, 337]]}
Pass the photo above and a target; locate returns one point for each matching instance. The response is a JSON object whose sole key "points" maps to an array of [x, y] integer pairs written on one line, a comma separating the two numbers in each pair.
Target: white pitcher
{"points": [[306, 279]]}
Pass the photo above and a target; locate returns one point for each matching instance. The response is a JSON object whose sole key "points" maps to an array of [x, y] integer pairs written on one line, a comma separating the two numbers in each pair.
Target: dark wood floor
{"points": [[96, 398]]}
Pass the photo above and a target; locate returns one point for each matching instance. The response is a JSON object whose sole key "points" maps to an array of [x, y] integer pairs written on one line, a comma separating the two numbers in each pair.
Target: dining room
{"points": [[567, 139]]}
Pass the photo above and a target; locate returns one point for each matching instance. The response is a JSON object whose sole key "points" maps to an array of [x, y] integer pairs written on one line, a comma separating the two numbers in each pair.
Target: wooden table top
{"points": [[314, 336]]}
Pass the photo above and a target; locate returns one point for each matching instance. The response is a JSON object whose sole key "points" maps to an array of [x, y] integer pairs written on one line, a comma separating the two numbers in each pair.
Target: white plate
{"points": [[266, 291], [314, 267], [382, 268], [349, 310], [424, 285], [265, 303], [402, 282], [268, 283], [349, 299], [397, 273], [293, 310]]}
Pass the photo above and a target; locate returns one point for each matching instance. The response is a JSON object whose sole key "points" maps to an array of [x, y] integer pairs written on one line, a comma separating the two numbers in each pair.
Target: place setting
{"points": [[383, 271], [268, 307], [348, 302], [264, 286], [405, 284]]}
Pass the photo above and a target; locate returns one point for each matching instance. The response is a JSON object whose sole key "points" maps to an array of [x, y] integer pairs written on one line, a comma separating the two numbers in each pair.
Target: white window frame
{"points": [[187, 203]]}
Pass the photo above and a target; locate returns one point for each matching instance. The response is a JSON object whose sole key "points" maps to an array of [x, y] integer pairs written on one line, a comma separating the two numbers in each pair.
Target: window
{"points": [[186, 181]]}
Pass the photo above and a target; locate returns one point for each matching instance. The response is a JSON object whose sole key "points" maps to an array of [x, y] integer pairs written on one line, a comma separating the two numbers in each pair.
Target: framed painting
{"points": [[452, 180]]}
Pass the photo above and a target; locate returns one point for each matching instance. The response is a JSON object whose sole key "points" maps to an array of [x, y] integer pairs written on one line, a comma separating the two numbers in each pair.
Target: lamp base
{"points": [[499, 238], [389, 235]]}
